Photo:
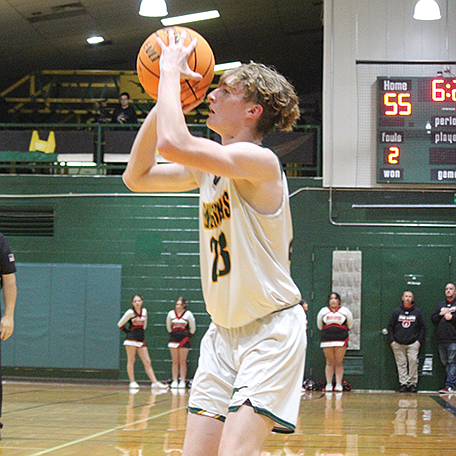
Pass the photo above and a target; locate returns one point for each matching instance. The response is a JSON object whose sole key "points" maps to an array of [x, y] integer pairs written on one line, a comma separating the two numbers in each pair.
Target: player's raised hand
{"points": [[176, 54]]}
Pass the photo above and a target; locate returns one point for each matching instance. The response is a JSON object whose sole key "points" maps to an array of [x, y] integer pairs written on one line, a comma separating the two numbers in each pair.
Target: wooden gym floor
{"points": [[103, 419]]}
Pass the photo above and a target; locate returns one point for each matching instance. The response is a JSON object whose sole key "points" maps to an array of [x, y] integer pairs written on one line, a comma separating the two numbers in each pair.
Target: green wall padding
{"points": [[66, 317]]}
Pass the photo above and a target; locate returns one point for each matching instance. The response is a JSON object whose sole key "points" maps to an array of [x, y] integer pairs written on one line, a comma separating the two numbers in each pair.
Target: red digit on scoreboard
{"points": [[392, 155], [397, 104]]}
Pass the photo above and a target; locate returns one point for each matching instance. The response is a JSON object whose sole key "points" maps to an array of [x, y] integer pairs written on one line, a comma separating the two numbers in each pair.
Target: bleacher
{"points": [[57, 122]]}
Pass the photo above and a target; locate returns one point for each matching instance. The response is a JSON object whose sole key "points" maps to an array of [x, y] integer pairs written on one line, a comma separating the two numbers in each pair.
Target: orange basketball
{"points": [[201, 60]]}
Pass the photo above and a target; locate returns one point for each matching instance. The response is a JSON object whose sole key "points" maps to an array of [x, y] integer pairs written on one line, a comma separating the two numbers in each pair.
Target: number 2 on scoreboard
{"points": [[392, 155]]}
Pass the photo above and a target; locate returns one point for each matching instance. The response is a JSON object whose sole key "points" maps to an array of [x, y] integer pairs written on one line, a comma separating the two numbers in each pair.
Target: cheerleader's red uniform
{"points": [[334, 326], [180, 328], [135, 335]]}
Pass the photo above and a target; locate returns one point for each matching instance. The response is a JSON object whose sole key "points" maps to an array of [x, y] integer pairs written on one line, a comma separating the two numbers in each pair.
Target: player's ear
{"points": [[254, 111]]}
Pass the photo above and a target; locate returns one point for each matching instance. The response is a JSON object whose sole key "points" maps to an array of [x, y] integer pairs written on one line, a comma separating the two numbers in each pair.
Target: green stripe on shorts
{"points": [[284, 426]]}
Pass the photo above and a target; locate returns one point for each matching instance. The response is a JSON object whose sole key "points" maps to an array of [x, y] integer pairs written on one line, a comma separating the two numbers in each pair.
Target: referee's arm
{"points": [[9, 297]]}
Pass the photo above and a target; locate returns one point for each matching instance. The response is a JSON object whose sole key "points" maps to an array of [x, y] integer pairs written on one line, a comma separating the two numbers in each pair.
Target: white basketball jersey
{"points": [[244, 255]]}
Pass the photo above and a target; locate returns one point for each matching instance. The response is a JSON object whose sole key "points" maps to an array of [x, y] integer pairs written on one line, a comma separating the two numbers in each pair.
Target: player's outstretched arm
{"points": [[143, 174], [142, 155]]}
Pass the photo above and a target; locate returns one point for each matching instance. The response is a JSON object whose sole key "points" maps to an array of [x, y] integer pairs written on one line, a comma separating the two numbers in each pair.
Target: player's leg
{"points": [[145, 358], [244, 433], [210, 394], [330, 364], [202, 435], [131, 358]]}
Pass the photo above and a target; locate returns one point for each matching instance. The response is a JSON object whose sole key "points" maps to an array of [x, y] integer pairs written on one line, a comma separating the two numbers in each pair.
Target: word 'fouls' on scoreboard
{"points": [[416, 130]]}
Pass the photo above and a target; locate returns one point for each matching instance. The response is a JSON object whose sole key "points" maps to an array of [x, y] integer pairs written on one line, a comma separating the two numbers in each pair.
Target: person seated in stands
{"points": [[124, 113]]}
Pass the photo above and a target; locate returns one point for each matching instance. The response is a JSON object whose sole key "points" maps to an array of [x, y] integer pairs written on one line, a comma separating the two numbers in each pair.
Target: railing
{"points": [[103, 148]]}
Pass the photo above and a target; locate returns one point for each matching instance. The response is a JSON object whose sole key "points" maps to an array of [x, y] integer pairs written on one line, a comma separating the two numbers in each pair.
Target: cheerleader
{"points": [[334, 321], [180, 324], [134, 322]]}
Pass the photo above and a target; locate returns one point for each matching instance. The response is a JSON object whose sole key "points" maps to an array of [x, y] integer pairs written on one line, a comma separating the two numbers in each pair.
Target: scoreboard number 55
{"points": [[397, 104]]}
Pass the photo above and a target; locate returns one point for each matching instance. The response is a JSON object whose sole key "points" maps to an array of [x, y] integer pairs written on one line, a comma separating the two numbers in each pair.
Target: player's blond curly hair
{"points": [[265, 86]]}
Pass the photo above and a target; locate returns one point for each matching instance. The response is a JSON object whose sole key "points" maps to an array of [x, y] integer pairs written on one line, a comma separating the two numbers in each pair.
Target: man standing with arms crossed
{"points": [[444, 317]]}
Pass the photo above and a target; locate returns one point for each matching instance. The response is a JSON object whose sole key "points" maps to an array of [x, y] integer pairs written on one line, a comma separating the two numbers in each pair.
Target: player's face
{"points": [[450, 291], [227, 108]]}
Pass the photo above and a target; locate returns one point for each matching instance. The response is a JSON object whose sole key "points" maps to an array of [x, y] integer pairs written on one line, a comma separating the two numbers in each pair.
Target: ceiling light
{"points": [[427, 10], [220, 67], [95, 39], [153, 8], [190, 18]]}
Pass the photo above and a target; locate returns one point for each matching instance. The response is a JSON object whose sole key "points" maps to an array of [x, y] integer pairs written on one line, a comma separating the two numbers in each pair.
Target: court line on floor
{"points": [[51, 404], [446, 405], [99, 434]]}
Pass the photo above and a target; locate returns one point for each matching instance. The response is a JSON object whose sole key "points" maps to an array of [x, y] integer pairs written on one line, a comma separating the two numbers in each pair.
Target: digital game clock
{"points": [[416, 130]]}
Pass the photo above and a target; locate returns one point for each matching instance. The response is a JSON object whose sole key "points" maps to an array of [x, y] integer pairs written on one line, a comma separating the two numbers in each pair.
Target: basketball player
{"points": [[250, 370]]}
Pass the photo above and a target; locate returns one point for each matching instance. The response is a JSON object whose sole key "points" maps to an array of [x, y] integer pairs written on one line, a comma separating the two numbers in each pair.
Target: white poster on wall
{"points": [[346, 280]]}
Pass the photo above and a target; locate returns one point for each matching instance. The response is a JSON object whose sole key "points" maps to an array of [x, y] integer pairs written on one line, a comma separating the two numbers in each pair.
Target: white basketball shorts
{"points": [[261, 364]]}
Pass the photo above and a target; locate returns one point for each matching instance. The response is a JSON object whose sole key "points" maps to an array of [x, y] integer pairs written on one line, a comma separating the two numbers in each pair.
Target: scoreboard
{"points": [[416, 130]]}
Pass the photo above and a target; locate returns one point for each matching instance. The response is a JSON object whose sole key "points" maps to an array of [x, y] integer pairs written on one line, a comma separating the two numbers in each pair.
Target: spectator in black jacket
{"points": [[406, 334], [445, 319], [124, 113]]}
